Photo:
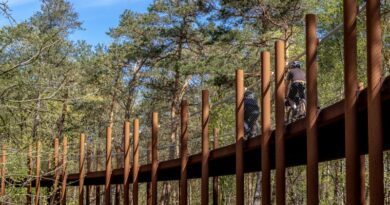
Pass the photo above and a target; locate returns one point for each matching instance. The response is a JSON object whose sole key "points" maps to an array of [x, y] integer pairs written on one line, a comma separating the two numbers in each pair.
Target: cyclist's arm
{"points": [[287, 91]]}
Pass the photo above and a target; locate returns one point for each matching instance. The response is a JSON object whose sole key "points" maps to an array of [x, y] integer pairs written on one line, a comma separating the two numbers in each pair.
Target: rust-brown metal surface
{"points": [[280, 89], [330, 123], [155, 165], [149, 184], [375, 125], [37, 174], [311, 114], [30, 172], [183, 153], [81, 169], [265, 127], [107, 186], [126, 162], [215, 179], [205, 148], [135, 160], [239, 137], [350, 90], [64, 174]]}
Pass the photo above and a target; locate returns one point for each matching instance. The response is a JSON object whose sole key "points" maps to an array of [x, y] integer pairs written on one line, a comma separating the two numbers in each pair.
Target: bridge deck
{"points": [[331, 147]]}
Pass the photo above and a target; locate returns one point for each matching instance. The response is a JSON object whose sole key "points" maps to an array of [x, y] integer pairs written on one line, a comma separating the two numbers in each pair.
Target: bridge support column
{"points": [[351, 90], [239, 137], [279, 116], [154, 157], [205, 148], [107, 186], [126, 162], [375, 130], [54, 196], [97, 188], [265, 127], [135, 160], [215, 179], [311, 115], [183, 153], [38, 174], [149, 184], [64, 170], [88, 187], [81, 169], [30, 173]]}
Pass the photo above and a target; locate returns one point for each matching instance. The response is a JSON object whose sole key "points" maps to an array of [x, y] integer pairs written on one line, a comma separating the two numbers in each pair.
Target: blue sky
{"points": [[97, 16]]}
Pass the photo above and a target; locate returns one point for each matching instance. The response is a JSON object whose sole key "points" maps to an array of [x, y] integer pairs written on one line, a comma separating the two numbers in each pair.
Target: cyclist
{"points": [[296, 78], [251, 114]]}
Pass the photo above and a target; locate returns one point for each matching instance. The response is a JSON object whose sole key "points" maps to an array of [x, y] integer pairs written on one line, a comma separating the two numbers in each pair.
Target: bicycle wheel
{"points": [[289, 115], [302, 108]]}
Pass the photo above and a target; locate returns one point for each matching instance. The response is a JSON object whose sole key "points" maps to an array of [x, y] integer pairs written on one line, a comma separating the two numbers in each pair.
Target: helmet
{"points": [[295, 64], [249, 94]]}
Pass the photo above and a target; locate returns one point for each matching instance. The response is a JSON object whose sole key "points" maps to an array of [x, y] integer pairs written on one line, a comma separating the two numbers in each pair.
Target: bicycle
{"points": [[296, 112]]}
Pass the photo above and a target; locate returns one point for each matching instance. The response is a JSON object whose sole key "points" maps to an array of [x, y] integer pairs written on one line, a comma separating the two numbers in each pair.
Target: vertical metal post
{"points": [[265, 126], [375, 130], [183, 153], [239, 137], [81, 169], [279, 116], [64, 171], [135, 161], [215, 179], [88, 188], [3, 171], [149, 184], [57, 174], [97, 188], [154, 157], [311, 116], [38, 174], [205, 148], [30, 173], [107, 186], [351, 90], [127, 150]]}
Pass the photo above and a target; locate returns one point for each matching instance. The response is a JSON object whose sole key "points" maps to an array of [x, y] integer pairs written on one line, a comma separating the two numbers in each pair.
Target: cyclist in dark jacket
{"points": [[251, 114], [296, 78]]}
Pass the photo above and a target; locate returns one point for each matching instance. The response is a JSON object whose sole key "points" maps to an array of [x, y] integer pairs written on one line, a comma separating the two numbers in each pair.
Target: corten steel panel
{"points": [[222, 160], [215, 179], [81, 169], [352, 161], [154, 171], [183, 153], [135, 161], [265, 126], [126, 162], [374, 75], [64, 175], [239, 137], [311, 115], [280, 91], [205, 148], [30, 172], [108, 172]]}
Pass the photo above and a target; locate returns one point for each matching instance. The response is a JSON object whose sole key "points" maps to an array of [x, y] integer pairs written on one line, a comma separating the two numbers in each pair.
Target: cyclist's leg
{"points": [[302, 97], [292, 95]]}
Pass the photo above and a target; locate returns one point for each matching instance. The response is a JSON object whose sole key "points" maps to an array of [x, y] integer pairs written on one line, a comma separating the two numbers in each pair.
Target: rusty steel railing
{"points": [[271, 150]]}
